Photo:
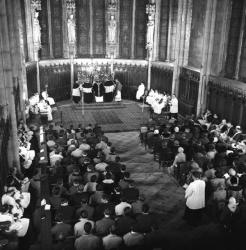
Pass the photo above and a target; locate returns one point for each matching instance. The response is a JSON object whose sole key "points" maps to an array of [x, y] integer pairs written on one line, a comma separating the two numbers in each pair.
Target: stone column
{"points": [[240, 42], [112, 28], [150, 11], [91, 28], [133, 30], [187, 32], [17, 56], [224, 37], [36, 31], [29, 31], [157, 31], [8, 79], [70, 35], [50, 29], [170, 17], [179, 46], [208, 41]]}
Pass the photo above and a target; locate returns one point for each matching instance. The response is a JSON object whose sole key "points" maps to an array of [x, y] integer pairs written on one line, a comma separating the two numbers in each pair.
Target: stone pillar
{"points": [[187, 32], [150, 11], [112, 28], [133, 29], [17, 56], [240, 42], [179, 46], [70, 35], [224, 37], [208, 41], [157, 31], [91, 28], [170, 17], [29, 31], [50, 29], [6, 69]]}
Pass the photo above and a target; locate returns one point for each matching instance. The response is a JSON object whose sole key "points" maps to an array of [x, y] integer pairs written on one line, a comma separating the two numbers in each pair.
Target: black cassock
{"points": [[98, 89], [87, 90], [109, 91]]}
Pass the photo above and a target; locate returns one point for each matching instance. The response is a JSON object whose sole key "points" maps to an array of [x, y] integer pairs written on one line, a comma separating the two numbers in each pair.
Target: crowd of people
{"points": [[158, 101], [94, 202], [207, 156], [40, 104], [21, 191]]}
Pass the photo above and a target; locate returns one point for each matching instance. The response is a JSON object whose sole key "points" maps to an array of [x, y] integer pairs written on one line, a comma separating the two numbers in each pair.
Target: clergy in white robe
{"points": [[140, 91]]}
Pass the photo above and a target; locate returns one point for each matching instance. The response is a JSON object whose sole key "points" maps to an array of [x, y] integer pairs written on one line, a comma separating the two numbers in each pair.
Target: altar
{"points": [[97, 84]]}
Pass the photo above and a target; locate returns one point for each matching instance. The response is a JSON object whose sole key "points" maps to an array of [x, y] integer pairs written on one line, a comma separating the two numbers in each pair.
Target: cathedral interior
{"points": [[194, 49]]}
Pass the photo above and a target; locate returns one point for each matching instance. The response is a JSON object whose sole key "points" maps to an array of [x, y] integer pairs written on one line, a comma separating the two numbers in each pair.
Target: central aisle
{"points": [[160, 190]]}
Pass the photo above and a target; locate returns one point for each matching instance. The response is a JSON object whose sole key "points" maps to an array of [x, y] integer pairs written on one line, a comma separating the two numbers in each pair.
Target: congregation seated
{"points": [[206, 152], [92, 195]]}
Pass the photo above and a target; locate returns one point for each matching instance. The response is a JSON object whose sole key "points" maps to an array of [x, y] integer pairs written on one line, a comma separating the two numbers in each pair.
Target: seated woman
{"points": [[76, 93]]}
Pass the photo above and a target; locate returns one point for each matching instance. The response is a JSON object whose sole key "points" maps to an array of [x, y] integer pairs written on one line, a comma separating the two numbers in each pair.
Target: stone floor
{"points": [[112, 117]]}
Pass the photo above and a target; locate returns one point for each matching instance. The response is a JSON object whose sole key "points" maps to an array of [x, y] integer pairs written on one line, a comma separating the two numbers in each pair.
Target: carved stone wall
{"points": [[83, 28], [125, 28], [56, 20], [44, 53], [197, 33], [140, 30], [99, 39], [164, 19]]}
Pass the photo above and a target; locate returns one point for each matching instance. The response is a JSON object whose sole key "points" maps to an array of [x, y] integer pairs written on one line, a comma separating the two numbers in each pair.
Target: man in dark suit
{"points": [[60, 228], [125, 222], [88, 241], [67, 211], [102, 226], [145, 221]]}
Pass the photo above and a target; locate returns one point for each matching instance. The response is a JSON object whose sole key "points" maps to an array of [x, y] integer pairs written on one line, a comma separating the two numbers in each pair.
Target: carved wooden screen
{"points": [[56, 20], [125, 28], [226, 101], [197, 33], [83, 28], [140, 29], [161, 79], [4, 138], [188, 91], [99, 46], [31, 75], [130, 76], [57, 77], [164, 19], [44, 30]]}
